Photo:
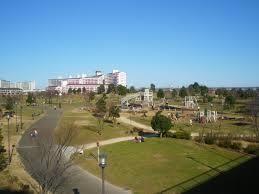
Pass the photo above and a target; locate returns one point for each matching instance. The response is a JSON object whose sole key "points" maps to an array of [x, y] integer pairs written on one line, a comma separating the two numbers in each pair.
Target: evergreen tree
{"points": [[160, 94]]}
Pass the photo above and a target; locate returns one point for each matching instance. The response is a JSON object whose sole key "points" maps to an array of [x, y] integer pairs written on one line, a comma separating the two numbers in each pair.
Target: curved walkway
{"points": [[81, 179], [139, 125], [133, 123], [73, 149]]}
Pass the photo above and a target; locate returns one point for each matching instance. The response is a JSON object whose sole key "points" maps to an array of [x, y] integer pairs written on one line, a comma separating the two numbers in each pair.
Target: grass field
{"points": [[158, 164], [14, 176], [88, 126], [224, 126]]}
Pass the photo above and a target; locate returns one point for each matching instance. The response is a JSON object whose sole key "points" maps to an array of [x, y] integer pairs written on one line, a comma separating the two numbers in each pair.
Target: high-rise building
{"points": [[26, 86], [4, 84], [89, 83]]}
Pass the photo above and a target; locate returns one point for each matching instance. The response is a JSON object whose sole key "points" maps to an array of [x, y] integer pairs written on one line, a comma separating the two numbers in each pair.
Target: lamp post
{"points": [[16, 116], [102, 164], [42, 104], [59, 103], [21, 117], [8, 138]]}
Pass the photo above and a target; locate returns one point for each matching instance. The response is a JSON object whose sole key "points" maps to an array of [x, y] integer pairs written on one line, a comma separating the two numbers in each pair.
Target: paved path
{"points": [[72, 149], [139, 125], [81, 179], [133, 123]]}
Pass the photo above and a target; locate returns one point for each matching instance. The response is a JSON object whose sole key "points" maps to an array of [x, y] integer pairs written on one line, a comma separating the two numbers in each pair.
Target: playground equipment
{"points": [[210, 116], [145, 98], [190, 102]]}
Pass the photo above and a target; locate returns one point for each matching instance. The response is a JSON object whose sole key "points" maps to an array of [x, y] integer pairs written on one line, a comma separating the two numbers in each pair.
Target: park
{"points": [[185, 140]]}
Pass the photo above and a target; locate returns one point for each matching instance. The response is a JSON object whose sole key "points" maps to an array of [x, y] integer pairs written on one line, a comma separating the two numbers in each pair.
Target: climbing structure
{"points": [[145, 98]]}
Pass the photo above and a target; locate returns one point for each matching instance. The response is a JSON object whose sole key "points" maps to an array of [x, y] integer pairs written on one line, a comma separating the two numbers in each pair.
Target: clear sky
{"points": [[166, 42]]}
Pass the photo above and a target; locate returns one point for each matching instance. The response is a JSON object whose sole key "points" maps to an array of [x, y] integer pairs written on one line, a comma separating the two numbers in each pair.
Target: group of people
{"points": [[139, 139], [34, 133]]}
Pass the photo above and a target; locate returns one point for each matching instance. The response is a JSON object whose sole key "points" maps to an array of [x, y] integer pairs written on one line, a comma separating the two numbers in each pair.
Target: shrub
{"points": [[226, 143], [181, 135], [252, 149], [209, 139], [236, 146]]}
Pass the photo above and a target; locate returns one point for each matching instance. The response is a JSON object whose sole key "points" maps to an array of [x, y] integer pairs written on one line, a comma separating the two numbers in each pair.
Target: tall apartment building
{"points": [[90, 83], [4, 84], [26, 85]]}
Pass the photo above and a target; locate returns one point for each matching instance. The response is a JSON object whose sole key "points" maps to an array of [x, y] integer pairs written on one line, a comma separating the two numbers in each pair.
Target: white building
{"points": [[90, 83], [4, 84], [26, 86]]}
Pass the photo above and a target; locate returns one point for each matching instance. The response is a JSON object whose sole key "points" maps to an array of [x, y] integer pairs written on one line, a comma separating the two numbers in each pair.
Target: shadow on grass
{"points": [[242, 179]]}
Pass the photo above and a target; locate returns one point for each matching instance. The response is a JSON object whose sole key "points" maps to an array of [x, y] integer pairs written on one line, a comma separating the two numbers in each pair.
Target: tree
{"points": [[160, 94], [84, 90], [74, 91], [230, 102], [91, 95], [70, 90], [114, 112], [100, 112], [132, 89], [254, 112], [161, 123], [53, 166], [101, 89], [111, 88], [183, 92], [3, 159], [79, 90], [122, 90], [174, 93], [153, 87], [204, 90], [9, 105], [1, 113], [31, 98]]}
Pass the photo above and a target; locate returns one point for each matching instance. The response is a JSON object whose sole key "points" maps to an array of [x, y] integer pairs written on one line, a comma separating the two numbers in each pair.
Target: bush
{"points": [[236, 146], [181, 135], [209, 139], [226, 143], [252, 149]]}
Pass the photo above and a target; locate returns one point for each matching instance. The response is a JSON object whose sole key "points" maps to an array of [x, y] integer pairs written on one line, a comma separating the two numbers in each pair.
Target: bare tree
{"points": [[51, 167], [254, 111]]}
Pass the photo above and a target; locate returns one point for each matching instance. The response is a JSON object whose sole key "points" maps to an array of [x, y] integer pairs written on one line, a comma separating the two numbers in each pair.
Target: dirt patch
{"points": [[78, 110], [83, 122], [159, 157]]}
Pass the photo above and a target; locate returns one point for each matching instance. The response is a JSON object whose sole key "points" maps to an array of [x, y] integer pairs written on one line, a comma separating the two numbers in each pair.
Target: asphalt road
{"points": [[80, 179]]}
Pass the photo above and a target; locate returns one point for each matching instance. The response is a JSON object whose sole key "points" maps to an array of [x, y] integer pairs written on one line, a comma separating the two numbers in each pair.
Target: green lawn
{"points": [[227, 126], [88, 126], [158, 164]]}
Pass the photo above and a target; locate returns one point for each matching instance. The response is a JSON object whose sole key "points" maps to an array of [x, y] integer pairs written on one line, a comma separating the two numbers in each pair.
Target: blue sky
{"points": [[166, 42]]}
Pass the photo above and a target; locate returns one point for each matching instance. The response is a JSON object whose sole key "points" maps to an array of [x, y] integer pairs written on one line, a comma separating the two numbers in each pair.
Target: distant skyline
{"points": [[165, 42]]}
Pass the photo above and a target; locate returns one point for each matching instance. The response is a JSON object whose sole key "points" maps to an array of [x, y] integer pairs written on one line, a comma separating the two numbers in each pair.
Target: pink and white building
{"points": [[90, 83]]}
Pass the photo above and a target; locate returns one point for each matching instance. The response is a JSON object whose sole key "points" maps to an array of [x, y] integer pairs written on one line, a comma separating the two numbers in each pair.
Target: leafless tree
{"points": [[254, 111], [51, 167]]}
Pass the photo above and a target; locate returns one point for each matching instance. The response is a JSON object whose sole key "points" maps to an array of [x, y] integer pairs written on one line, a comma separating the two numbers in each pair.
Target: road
{"points": [[81, 179]]}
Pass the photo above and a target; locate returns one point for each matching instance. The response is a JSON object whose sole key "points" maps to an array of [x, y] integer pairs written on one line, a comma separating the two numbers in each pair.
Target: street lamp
{"points": [[16, 117], [102, 164], [59, 103], [21, 117], [8, 138]]}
